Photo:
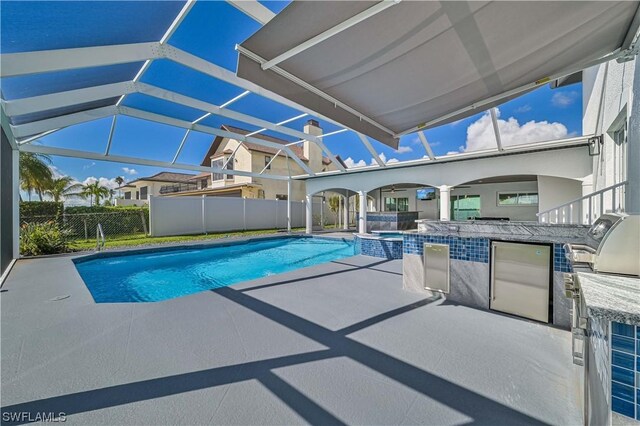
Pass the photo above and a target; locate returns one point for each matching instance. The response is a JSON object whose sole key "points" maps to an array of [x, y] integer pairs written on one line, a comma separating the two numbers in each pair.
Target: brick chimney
{"points": [[310, 149]]}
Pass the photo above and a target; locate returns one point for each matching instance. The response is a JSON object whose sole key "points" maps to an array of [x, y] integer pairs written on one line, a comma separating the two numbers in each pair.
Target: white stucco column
{"points": [[289, 205], [445, 202], [632, 193], [362, 214], [345, 212], [322, 202], [309, 214]]}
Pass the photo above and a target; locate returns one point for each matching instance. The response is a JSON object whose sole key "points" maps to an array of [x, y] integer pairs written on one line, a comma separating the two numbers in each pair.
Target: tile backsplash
{"points": [[625, 369]]}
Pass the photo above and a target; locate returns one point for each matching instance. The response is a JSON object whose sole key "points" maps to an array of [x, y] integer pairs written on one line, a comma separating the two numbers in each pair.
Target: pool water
{"points": [[152, 276], [388, 234]]}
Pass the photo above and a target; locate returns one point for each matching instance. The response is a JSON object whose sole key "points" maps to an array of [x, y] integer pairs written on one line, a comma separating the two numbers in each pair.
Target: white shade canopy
{"points": [[387, 69]]}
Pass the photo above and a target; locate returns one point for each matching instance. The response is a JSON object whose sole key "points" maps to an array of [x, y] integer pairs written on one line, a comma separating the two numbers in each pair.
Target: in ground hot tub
{"points": [[387, 245]]}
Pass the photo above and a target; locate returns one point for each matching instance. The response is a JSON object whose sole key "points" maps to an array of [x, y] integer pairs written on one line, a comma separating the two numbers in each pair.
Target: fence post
{"points": [[204, 217], [86, 234], [244, 213], [152, 203], [144, 223]]}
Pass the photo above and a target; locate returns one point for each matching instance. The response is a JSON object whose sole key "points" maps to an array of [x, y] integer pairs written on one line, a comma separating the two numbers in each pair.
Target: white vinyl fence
{"points": [[199, 215]]}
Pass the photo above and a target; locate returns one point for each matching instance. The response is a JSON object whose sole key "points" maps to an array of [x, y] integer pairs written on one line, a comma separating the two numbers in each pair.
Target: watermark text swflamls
{"points": [[29, 417]]}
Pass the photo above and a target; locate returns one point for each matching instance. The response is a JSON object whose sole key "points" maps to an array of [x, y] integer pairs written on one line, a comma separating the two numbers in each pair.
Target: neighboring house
{"points": [[251, 157], [137, 192]]}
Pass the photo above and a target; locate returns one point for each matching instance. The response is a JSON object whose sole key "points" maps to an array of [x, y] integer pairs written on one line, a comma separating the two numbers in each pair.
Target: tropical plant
{"points": [[95, 191], [119, 180], [64, 187], [334, 206], [35, 173], [37, 239]]}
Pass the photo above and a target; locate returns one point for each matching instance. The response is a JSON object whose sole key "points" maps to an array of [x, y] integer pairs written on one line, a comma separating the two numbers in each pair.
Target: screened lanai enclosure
{"points": [[178, 65]]}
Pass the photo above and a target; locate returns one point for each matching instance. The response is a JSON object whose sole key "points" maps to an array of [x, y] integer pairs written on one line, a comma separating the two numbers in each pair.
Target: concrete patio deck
{"points": [[338, 343]]}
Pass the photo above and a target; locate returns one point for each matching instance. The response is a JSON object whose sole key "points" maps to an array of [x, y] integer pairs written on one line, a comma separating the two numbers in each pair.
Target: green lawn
{"points": [[142, 240]]}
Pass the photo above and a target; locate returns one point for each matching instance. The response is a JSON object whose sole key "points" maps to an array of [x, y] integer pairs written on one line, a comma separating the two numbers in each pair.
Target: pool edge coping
{"points": [[221, 242]]}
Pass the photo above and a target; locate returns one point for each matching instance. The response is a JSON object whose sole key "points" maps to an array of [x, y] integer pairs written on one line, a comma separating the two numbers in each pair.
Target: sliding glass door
{"points": [[465, 207]]}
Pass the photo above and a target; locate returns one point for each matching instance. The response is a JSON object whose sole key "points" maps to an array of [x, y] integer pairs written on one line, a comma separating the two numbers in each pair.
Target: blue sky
{"points": [[211, 31]]}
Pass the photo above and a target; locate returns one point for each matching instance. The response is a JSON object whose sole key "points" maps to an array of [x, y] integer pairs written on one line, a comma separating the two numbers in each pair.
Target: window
{"points": [[267, 162], [137, 195], [465, 207], [127, 195], [203, 183], [620, 154], [282, 197], [392, 204], [219, 162], [517, 198], [143, 192]]}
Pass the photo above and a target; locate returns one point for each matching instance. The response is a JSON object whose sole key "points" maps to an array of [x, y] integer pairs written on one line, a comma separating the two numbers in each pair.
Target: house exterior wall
{"points": [[279, 166], [609, 101], [153, 189], [242, 161], [428, 209], [555, 191], [254, 161]]}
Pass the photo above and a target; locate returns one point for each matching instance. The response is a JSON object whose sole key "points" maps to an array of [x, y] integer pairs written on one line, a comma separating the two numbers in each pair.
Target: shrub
{"points": [[40, 208], [37, 239], [103, 209]]}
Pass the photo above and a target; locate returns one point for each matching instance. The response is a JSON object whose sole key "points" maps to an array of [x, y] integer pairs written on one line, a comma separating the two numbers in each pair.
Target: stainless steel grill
{"points": [[613, 246]]}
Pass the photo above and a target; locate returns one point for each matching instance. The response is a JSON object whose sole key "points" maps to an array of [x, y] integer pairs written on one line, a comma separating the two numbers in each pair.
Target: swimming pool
{"points": [[155, 275]]}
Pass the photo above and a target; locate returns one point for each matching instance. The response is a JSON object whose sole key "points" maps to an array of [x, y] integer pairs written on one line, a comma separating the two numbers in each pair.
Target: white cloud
{"points": [[88, 166], [564, 99], [453, 152], [384, 159], [129, 171], [480, 134], [351, 163], [404, 149], [109, 183]]}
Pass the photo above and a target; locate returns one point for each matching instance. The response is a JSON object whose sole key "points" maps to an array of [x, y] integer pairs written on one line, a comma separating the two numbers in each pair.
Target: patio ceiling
{"points": [[389, 68]]}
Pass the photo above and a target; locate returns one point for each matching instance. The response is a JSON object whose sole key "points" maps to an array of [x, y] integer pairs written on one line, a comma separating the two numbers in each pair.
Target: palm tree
{"points": [[95, 191], [63, 187], [35, 173], [119, 180]]}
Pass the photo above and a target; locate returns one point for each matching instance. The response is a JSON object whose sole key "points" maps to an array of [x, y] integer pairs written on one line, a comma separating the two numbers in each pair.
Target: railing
{"points": [[178, 187], [100, 240], [585, 210]]}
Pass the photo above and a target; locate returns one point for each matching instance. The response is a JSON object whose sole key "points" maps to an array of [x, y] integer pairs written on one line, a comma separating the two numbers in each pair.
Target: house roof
{"points": [[162, 177], [296, 149], [250, 146]]}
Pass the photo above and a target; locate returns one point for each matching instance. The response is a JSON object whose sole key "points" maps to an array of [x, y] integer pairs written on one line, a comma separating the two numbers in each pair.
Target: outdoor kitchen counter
{"points": [[470, 257], [532, 232], [525, 238], [611, 297]]}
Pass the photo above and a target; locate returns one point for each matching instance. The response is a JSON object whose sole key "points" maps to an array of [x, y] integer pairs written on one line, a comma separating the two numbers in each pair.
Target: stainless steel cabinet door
{"points": [[436, 267], [520, 277]]}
